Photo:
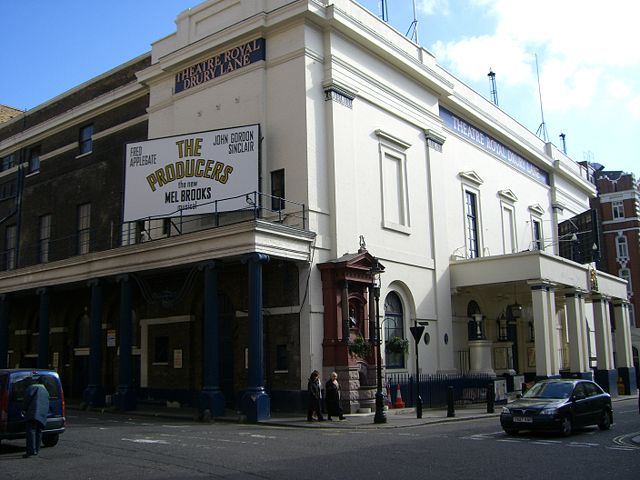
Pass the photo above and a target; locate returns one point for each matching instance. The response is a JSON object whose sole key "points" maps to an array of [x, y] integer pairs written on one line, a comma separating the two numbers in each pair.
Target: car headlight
{"points": [[506, 410], [549, 411]]}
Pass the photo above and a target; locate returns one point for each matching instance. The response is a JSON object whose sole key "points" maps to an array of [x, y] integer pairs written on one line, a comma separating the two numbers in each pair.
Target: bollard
{"points": [[419, 407], [451, 412], [491, 397]]}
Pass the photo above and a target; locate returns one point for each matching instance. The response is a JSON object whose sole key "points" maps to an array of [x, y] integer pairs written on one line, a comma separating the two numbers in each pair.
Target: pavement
{"points": [[395, 417]]}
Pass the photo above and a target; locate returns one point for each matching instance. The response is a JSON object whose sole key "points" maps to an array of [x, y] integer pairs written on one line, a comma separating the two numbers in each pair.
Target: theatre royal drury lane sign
{"points": [[221, 64], [188, 173]]}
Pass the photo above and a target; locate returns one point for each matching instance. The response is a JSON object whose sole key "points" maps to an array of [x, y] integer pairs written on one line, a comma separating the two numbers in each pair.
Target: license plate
{"points": [[522, 420]]}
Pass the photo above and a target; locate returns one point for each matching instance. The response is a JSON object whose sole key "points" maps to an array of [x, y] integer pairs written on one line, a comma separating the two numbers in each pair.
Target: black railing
{"points": [[467, 388], [242, 208]]}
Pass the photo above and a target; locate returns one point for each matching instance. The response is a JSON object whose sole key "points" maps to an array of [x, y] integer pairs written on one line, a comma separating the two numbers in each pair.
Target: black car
{"points": [[559, 405], [13, 383]]}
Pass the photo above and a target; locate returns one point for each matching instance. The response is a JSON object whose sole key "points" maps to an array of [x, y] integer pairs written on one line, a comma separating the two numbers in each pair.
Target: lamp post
{"points": [[417, 331], [380, 416]]}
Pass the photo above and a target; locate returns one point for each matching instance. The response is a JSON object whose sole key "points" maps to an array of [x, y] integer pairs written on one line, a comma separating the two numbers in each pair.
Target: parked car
{"points": [[559, 405], [13, 383]]}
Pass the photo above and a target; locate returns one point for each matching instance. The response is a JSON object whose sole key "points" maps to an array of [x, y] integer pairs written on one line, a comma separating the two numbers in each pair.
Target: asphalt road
{"points": [[111, 446]]}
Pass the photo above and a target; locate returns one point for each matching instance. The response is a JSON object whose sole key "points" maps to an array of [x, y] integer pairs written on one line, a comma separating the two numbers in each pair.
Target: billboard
{"points": [[186, 174]]}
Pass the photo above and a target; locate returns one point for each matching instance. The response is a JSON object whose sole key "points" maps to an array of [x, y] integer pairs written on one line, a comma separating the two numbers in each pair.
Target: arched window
{"points": [[622, 249], [393, 327]]}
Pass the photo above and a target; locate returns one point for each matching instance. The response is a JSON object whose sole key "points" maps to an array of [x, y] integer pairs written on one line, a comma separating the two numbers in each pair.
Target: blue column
{"points": [[211, 401], [125, 396], [43, 329], [93, 395], [4, 330], [255, 403]]}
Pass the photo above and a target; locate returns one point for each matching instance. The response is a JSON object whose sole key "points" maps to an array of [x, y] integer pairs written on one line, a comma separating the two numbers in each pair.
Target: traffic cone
{"points": [[399, 403]]}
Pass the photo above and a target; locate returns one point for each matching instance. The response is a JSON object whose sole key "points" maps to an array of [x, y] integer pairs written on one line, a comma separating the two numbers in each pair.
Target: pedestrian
{"points": [[315, 397], [332, 395], [36, 409]]}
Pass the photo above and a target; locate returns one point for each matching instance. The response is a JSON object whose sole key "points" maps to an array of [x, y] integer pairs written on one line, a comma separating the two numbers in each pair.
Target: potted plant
{"points": [[397, 345], [359, 347]]}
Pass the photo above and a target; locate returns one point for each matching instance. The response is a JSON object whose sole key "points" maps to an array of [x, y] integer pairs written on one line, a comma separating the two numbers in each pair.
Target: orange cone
{"points": [[399, 403]]}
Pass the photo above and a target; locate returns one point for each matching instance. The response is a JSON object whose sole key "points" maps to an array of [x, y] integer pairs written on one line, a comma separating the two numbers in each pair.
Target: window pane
{"points": [[84, 224], [86, 142], [472, 223], [45, 235]]}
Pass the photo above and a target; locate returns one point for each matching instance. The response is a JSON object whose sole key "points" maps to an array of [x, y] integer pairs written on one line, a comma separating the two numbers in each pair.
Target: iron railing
{"points": [[247, 207], [433, 388]]}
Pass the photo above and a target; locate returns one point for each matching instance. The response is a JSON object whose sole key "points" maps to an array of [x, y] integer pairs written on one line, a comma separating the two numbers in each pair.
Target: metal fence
{"points": [[467, 388]]}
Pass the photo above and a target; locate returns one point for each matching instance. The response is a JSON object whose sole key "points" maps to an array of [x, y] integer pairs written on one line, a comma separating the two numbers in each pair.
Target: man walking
{"points": [[36, 410]]}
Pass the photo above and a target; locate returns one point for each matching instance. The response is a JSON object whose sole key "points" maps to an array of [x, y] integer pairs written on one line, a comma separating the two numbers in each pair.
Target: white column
{"points": [[546, 351], [623, 335], [578, 354], [604, 347]]}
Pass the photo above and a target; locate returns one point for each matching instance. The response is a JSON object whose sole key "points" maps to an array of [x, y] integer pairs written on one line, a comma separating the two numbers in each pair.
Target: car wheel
{"points": [[605, 421], [50, 440], [566, 426], [511, 431]]}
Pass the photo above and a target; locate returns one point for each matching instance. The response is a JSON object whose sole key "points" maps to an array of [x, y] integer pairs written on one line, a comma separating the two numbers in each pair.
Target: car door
{"points": [[581, 405], [596, 402]]}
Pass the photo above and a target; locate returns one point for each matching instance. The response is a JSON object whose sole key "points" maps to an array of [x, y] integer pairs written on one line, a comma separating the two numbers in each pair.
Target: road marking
{"points": [[145, 440]]}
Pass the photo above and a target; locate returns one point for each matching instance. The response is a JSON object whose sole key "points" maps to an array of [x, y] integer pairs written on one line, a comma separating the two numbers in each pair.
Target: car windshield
{"points": [[550, 390]]}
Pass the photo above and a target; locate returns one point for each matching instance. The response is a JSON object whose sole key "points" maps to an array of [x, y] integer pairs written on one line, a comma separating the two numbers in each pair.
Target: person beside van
{"points": [[36, 410]]}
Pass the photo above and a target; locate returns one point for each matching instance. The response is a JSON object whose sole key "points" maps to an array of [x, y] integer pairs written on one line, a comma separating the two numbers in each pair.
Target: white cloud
{"points": [[433, 7], [473, 57], [634, 107], [580, 45]]}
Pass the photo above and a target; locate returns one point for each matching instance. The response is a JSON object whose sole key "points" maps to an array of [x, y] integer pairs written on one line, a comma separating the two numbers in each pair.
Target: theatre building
{"points": [[210, 222]]}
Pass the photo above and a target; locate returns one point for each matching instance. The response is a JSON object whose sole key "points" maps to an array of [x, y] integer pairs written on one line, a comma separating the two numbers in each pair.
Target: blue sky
{"points": [[588, 57]]}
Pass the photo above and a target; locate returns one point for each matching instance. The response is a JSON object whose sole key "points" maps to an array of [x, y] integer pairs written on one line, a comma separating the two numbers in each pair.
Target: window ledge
{"points": [[84, 154]]}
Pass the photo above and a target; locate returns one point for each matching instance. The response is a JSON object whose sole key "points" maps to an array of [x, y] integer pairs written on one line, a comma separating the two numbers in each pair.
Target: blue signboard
{"points": [[492, 146], [221, 64]]}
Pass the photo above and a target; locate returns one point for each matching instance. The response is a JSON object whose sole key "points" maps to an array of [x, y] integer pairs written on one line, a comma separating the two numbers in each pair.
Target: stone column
{"points": [[606, 375], [544, 326], [125, 398], [43, 329], [578, 353], [93, 395], [255, 403], [624, 356], [212, 403]]}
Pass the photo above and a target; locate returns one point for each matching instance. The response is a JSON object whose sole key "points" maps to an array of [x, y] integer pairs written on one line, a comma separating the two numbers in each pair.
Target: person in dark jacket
{"points": [[315, 397], [332, 395], [36, 409]]}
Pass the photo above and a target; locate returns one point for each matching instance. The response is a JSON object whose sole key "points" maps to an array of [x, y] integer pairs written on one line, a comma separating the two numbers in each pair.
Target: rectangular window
{"points": [[617, 209], [277, 190], [394, 190], [536, 233], [7, 162], [282, 358], [84, 228], [34, 159], [10, 242], [86, 139], [508, 230], [161, 349], [471, 212], [45, 236]]}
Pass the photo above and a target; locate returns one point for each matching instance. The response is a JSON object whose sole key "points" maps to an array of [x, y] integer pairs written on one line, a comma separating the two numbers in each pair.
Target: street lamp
{"points": [[417, 331], [380, 416]]}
